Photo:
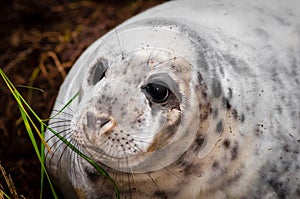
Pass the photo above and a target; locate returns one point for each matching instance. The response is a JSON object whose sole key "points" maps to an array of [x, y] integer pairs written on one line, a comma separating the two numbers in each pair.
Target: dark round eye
{"points": [[157, 92]]}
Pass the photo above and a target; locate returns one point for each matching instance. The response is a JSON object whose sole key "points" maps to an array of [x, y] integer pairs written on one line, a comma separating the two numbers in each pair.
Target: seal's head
{"points": [[139, 110], [139, 114], [147, 115]]}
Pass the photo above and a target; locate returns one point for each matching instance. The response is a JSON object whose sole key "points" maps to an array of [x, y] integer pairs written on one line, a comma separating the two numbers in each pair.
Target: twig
{"points": [[9, 182]]}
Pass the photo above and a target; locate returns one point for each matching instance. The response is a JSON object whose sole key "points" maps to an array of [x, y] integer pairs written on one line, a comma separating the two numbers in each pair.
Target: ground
{"points": [[39, 42]]}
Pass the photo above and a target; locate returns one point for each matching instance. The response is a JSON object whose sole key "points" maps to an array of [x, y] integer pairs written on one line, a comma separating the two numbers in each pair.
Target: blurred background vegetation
{"points": [[39, 42]]}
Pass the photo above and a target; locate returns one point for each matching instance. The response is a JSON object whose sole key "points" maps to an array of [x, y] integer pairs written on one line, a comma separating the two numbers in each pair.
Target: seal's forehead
{"points": [[150, 63]]}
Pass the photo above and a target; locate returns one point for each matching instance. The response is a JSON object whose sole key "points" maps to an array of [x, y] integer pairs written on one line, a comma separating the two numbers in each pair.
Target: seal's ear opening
{"points": [[97, 71]]}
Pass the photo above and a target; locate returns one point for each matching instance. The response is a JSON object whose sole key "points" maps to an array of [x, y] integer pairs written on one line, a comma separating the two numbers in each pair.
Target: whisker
{"points": [[128, 176], [153, 181], [66, 147], [136, 148], [59, 126], [65, 130], [76, 159], [58, 163], [102, 185], [150, 57], [63, 112], [129, 184], [60, 144], [142, 141], [162, 62], [115, 180], [109, 47], [158, 52], [172, 173], [59, 121], [134, 181], [119, 43], [58, 140], [74, 111]]}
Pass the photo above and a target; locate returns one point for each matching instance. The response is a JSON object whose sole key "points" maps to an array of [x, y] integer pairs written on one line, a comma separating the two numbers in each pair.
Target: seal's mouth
{"points": [[101, 136]]}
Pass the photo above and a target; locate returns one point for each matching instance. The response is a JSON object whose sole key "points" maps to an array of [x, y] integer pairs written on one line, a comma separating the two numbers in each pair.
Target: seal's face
{"points": [[125, 120]]}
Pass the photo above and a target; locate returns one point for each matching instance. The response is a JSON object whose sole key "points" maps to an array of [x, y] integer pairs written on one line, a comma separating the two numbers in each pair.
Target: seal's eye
{"points": [[157, 92], [97, 71]]}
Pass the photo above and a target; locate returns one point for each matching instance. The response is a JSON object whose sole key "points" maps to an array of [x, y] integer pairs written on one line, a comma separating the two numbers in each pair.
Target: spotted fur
{"points": [[229, 127]]}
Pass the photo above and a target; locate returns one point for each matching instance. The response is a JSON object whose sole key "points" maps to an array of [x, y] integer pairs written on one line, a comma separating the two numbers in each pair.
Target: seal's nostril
{"points": [[105, 125], [104, 121]]}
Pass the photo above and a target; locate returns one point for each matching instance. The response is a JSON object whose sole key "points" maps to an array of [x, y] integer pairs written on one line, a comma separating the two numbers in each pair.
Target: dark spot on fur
{"points": [[92, 175], [181, 161], [215, 166], [279, 187], [279, 109], [215, 112], [226, 143], [235, 114], [261, 32], [258, 130], [229, 93], [104, 196], [286, 148], [198, 143], [298, 191], [225, 103], [234, 152], [160, 194], [221, 71], [188, 169], [204, 111], [282, 21], [216, 88], [242, 119], [219, 127], [200, 79]]}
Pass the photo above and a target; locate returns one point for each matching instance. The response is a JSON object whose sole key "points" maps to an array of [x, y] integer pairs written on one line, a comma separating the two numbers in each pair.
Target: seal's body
{"points": [[190, 99]]}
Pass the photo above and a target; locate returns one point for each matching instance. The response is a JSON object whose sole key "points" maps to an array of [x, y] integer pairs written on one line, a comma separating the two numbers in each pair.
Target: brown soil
{"points": [[44, 37]]}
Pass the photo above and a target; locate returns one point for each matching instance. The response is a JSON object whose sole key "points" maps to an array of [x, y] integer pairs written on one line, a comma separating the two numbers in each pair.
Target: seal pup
{"points": [[190, 99]]}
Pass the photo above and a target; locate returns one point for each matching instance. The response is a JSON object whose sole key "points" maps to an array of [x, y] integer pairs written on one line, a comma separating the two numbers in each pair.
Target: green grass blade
{"points": [[65, 106], [2, 192], [24, 116], [72, 147], [42, 149], [35, 146], [19, 100], [93, 163], [27, 121], [31, 88]]}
